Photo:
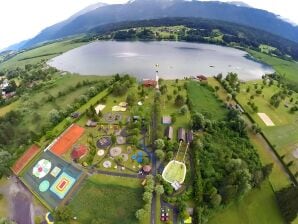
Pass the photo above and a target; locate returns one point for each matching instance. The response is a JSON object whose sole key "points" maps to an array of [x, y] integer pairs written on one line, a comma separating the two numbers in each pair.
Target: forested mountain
{"points": [[49, 33], [151, 9], [230, 33]]}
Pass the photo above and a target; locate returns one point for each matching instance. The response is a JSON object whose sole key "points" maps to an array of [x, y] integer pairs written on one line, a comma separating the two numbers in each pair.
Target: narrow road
{"points": [[154, 172], [21, 204], [111, 173]]}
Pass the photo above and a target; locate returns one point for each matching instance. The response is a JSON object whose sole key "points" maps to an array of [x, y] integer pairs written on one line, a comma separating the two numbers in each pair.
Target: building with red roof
{"points": [[79, 152], [149, 83]]}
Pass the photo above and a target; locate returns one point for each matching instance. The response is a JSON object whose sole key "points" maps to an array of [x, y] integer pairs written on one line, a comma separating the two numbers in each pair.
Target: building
{"points": [[149, 83], [169, 132], [166, 120], [189, 136], [75, 115], [91, 123], [79, 152], [176, 185], [202, 78], [181, 135], [147, 169]]}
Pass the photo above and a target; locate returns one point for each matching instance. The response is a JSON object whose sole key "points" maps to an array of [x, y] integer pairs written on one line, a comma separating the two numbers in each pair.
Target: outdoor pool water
{"points": [[174, 60]]}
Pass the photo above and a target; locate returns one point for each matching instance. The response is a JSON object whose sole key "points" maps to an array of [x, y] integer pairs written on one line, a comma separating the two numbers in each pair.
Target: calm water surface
{"points": [[174, 60]]}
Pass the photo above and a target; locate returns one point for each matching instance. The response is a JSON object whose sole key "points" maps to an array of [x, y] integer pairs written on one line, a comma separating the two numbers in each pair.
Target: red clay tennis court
{"points": [[67, 139], [25, 159]]}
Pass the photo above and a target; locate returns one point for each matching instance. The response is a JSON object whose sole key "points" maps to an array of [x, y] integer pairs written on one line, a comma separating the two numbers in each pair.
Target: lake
{"points": [[172, 60]]}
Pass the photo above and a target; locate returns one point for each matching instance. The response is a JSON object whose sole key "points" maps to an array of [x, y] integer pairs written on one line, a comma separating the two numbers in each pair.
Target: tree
{"points": [[92, 91], [287, 199], [159, 144], [183, 109], [159, 189], [229, 97], [6, 221], [140, 214], [147, 197], [169, 155], [198, 121], [215, 200], [169, 97], [163, 89], [267, 170], [219, 77], [113, 139], [131, 99], [255, 128], [62, 214], [6, 161], [54, 116], [216, 88], [179, 101], [159, 154]]}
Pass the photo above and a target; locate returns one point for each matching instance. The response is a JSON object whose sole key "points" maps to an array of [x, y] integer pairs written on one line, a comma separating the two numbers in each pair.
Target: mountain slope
{"points": [[49, 33], [150, 9]]}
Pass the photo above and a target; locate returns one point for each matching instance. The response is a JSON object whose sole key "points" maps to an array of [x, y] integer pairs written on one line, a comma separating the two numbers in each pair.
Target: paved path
{"points": [[111, 173], [22, 210]]}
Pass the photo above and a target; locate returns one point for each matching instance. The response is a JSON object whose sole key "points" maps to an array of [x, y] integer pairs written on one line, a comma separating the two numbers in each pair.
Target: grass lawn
{"points": [[258, 206], [287, 68], [3, 201], [108, 200], [204, 101], [35, 55], [168, 107], [6, 109]]}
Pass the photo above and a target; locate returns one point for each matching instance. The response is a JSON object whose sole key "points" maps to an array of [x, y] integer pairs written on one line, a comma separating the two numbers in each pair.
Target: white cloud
{"points": [[22, 19]]}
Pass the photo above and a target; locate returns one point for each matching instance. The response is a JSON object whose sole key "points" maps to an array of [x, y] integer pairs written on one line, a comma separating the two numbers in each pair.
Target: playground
{"points": [[50, 178]]}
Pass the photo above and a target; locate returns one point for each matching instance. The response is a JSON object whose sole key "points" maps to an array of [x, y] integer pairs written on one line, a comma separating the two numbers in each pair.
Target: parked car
{"points": [[164, 215]]}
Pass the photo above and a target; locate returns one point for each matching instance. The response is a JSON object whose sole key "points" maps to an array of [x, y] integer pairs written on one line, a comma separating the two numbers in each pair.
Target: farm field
{"points": [[35, 55], [108, 200]]}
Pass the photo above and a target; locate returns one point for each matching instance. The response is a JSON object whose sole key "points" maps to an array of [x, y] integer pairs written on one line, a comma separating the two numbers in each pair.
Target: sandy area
{"points": [[266, 119]]}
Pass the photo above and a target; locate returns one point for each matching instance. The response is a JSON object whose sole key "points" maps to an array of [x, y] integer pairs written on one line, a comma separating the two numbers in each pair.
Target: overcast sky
{"points": [[22, 19]]}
